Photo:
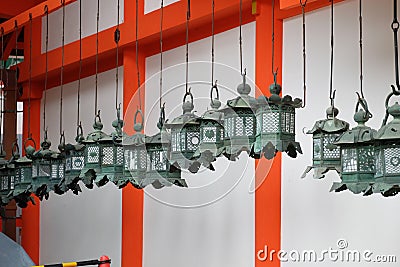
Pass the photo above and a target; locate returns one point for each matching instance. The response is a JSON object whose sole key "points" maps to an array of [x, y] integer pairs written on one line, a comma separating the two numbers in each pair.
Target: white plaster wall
{"points": [[211, 223], [89, 225], [107, 19], [313, 218], [152, 5]]}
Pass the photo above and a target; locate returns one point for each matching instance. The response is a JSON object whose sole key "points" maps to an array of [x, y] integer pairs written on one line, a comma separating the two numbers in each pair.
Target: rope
{"points": [[213, 43], [332, 44], [116, 39]]}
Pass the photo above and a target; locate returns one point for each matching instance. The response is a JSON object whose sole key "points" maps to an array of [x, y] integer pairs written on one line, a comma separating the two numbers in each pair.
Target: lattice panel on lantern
{"points": [[317, 148], [192, 140], [61, 171], [12, 182], [366, 159], [379, 163], [127, 159], [209, 134], [349, 160], [228, 127], [249, 125], [108, 156], [392, 160], [158, 160], [68, 162], [270, 122], [93, 154], [222, 134], [77, 163], [258, 126], [239, 121], [331, 153], [142, 159], [4, 183], [120, 155], [176, 141], [182, 140], [22, 175]]}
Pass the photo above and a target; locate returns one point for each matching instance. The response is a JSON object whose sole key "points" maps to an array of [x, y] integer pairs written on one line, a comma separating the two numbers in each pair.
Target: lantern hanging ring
{"points": [[161, 120], [79, 132], [363, 103], [15, 149], [394, 93], [26, 142], [139, 112], [188, 93], [214, 88], [61, 147]]}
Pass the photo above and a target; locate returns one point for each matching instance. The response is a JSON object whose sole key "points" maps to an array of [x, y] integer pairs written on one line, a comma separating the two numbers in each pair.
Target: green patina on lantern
{"points": [[357, 155], [211, 132], [92, 154], [160, 172], [23, 177], [240, 122], [185, 137], [387, 153], [326, 155], [135, 155], [74, 163], [276, 124], [7, 178], [58, 167]]}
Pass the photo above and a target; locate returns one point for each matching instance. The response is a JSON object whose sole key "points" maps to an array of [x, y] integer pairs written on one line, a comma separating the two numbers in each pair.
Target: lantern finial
{"points": [[244, 88]]}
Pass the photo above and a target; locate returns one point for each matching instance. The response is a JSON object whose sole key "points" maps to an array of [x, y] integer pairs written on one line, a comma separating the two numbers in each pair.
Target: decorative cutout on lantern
{"points": [[326, 155], [240, 122], [387, 153], [276, 124], [135, 154], [7, 178], [92, 154], [211, 132], [357, 154], [160, 172], [23, 176], [185, 137]]}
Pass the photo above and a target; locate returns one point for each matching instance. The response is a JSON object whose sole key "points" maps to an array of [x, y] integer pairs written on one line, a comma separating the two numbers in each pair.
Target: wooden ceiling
{"points": [[11, 8]]}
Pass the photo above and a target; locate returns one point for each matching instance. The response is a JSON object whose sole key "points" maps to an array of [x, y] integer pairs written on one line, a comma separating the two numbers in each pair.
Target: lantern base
{"points": [[88, 176], [320, 171], [23, 199], [101, 180], [387, 190], [271, 148], [185, 164], [42, 191], [354, 187]]}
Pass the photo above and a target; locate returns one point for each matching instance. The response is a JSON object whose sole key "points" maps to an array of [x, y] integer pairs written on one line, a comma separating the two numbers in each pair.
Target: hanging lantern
{"points": [[7, 178], [185, 137], [357, 155], [23, 178], [92, 154], [211, 133], [240, 122], [326, 155], [112, 164], [58, 167], [160, 172], [135, 154], [387, 153], [276, 124]]}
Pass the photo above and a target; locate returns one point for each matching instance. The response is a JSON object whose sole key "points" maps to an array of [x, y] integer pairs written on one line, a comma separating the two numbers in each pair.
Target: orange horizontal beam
{"points": [[285, 4], [295, 10], [36, 11]]}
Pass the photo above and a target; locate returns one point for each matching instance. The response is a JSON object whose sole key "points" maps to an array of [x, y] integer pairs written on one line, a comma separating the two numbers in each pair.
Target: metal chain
{"points": [[161, 51], [78, 119], [273, 39], [16, 71], [46, 11], [361, 50], [331, 94], [97, 60], [187, 47], [62, 66], [30, 76], [303, 6], [395, 28], [212, 43], [240, 37], [137, 54], [117, 36], [3, 86]]}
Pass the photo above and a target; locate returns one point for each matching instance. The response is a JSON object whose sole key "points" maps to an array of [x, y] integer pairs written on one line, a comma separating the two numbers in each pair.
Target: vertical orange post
{"points": [[268, 194]]}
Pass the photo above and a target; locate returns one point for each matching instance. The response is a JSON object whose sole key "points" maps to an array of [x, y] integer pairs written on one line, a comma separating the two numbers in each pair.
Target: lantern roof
{"points": [[97, 134], [162, 138], [275, 99], [187, 118], [391, 130], [331, 124]]}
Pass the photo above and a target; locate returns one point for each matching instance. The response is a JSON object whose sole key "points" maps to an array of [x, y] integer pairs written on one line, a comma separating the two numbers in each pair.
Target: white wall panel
{"points": [[313, 218], [152, 5], [211, 223], [89, 225], [108, 19]]}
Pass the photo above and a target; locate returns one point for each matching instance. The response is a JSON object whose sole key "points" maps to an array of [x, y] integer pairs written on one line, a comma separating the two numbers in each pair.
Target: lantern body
{"points": [[357, 158], [74, 162], [57, 161], [160, 173], [326, 155], [135, 156], [240, 122], [23, 176], [387, 155], [41, 172], [211, 135], [185, 139], [92, 155], [276, 126]]}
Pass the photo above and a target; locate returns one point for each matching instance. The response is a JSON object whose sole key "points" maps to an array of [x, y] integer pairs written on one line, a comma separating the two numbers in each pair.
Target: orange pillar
{"points": [[268, 194], [31, 214]]}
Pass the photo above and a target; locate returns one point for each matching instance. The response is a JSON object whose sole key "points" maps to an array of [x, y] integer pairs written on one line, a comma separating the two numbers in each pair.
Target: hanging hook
{"points": [[363, 103], [161, 120], [303, 6], [395, 27]]}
